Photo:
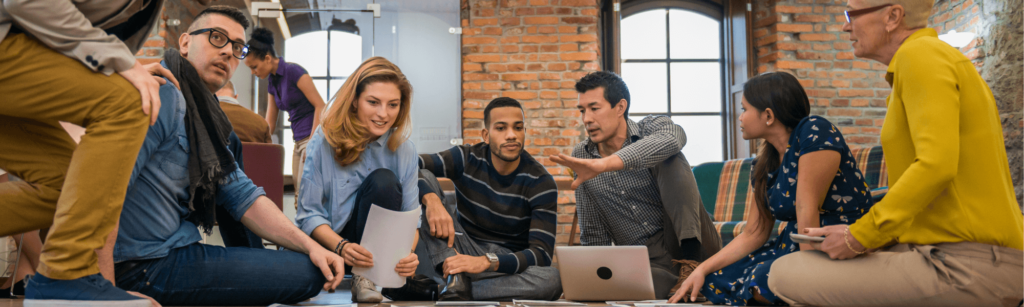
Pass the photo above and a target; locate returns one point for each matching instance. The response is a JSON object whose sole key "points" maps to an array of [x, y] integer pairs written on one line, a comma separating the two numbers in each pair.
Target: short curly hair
{"points": [[615, 89]]}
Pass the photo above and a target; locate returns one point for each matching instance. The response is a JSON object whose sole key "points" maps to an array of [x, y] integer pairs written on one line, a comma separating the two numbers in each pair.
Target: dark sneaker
{"points": [[89, 291], [416, 288], [458, 288], [19, 289]]}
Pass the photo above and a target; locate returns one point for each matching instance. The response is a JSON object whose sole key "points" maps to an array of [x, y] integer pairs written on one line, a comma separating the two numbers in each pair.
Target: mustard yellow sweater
{"points": [[949, 180]]}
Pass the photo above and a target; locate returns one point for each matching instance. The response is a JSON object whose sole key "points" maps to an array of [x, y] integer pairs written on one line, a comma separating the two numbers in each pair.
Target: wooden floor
{"points": [[341, 297]]}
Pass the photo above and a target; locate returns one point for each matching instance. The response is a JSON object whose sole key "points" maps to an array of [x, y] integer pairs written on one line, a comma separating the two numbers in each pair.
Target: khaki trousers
{"points": [[298, 162], [79, 191], [948, 274]]}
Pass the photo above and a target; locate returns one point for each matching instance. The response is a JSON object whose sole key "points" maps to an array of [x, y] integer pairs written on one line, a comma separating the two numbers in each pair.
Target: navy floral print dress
{"points": [[847, 200]]}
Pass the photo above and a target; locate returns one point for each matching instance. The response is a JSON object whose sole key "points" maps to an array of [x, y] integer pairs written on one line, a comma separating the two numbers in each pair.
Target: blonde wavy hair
{"points": [[341, 125]]}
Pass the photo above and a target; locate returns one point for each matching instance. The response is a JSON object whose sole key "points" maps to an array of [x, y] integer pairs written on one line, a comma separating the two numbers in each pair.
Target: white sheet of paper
{"points": [[388, 236]]}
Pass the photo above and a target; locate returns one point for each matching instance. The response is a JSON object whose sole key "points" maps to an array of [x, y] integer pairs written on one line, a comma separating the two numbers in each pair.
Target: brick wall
{"points": [[805, 38], [961, 16], [533, 51], [153, 50]]}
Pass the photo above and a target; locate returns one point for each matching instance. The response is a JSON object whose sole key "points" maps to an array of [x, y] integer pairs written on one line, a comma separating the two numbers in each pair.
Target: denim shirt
{"points": [[152, 220], [327, 194]]}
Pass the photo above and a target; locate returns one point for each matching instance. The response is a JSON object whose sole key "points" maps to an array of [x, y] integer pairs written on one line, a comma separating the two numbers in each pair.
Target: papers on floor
{"points": [[466, 303], [631, 303], [547, 303], [388, 236], [342, 305]]}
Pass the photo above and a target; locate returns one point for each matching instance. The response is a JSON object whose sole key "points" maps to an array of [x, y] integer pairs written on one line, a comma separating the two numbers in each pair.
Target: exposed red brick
{"points": [[578, 38], [483, 58], [793, 9], [578, 56], [540, 39], [485, 22], [793, 65], [785, 27], [519, 77], [579, 20], [817, 37], [540, 20], [856, 93]]}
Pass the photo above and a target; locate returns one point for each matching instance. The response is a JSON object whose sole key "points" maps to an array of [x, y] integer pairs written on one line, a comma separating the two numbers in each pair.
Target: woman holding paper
{"points": [[361, 156]]}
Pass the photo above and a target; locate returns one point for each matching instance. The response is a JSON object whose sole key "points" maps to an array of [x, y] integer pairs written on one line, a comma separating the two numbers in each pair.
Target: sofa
{"points": [[726, 192]]}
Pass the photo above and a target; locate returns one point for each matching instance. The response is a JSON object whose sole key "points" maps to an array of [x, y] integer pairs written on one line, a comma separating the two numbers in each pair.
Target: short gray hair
{"points": [[917, 11]]}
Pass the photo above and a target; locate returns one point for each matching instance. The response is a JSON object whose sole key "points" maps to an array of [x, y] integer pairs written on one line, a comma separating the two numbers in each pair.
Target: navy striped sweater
{"points": [[516, 211]]}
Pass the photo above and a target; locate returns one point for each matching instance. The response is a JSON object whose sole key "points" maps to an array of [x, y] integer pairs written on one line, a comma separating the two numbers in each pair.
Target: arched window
{"points": [[329, 57], [672, 62]]}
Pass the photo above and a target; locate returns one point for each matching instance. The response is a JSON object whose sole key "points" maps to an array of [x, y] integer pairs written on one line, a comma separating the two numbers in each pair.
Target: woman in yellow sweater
{"points": [[949, 231]]}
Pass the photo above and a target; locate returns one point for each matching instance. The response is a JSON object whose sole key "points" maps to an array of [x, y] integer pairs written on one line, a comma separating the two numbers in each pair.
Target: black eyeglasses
{"points": [[220, 39]]}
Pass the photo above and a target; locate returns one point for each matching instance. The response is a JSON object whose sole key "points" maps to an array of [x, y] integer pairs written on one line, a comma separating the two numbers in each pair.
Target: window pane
{"points": [[321, 87], [346, 53], [335, 86], [308, 50], [703, 138], [643, 35], [289, 148], [696, 87], [693, 36], [648, 86]]}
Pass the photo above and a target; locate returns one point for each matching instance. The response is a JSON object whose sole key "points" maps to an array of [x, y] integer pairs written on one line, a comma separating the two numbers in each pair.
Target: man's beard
{"points": [[497, 152]]}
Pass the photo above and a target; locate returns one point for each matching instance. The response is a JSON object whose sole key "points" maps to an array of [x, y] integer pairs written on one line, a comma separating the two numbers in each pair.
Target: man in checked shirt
{"points": [[633, 184]]}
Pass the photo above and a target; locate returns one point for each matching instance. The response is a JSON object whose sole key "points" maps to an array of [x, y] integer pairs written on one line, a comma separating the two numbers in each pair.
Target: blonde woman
{"points": [[949, 231], [361, 155]]}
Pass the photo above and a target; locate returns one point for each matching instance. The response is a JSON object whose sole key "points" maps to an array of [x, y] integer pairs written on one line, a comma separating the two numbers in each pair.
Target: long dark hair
{"points": [[782, 93], [261, 43]]}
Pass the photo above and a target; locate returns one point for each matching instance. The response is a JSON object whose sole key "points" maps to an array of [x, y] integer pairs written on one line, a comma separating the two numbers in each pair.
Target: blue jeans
{"points": [[200, 274]]}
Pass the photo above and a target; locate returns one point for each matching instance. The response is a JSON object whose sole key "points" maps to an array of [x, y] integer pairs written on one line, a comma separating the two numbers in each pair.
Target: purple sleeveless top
{"points": [[284, 87]]}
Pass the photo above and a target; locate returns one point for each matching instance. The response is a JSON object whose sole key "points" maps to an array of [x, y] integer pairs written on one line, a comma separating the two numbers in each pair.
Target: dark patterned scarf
{"points": [[207, 128]]}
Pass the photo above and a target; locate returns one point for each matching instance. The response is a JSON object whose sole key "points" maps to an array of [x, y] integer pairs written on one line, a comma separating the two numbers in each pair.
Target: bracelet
{"points": [[337, 248], [342, 248], [846, 233]]}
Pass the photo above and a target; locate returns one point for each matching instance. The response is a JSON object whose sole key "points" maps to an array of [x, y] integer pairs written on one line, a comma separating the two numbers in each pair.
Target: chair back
{"points": [[264, 165]]}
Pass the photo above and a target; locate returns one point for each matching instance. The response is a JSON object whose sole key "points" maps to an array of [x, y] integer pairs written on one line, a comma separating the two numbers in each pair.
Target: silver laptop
{"points": [[605, 273]]}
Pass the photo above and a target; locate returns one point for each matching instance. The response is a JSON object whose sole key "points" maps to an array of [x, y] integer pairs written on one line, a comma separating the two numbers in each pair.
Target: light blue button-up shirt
{"points": [[152, 220], [327, 195]]}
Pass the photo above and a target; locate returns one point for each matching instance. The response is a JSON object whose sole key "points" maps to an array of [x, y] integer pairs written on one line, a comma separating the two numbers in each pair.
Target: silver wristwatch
{"points": [[494, 261]]}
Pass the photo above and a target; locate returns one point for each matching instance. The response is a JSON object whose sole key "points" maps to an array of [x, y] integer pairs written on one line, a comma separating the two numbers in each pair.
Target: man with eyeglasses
{"points": [[185, 172], [73, 61]]}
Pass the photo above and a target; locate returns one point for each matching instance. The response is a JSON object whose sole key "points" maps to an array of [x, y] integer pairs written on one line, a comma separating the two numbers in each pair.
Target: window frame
{"points": [[709, 9]]}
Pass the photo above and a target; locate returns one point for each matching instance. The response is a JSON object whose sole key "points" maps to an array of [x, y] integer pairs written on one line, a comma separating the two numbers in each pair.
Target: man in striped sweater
{"points": [[502, 232]]}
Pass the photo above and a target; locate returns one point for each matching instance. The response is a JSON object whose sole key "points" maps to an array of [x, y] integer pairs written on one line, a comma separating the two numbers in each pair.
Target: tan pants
{"points": [[80, 190], [298, 161], [948, 274]]}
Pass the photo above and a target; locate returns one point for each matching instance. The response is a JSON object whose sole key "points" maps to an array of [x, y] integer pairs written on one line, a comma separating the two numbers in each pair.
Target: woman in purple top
{"points": [[291, 89]]}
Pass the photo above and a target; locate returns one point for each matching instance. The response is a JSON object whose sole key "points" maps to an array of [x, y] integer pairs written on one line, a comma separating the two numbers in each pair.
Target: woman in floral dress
{"points": [[804, 174]]}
